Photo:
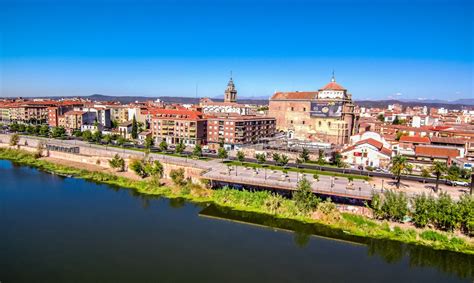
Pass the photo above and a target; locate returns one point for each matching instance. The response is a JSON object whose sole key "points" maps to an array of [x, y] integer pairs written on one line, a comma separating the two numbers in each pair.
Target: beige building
{"points": [[326, 115]]}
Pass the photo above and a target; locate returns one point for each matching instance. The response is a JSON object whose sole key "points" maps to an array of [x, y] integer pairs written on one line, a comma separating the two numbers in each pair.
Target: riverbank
{"points": [[258, 202]]}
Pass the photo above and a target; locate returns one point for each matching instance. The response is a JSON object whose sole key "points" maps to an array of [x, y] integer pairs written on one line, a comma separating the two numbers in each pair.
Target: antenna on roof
{"points": [[231, 75]]}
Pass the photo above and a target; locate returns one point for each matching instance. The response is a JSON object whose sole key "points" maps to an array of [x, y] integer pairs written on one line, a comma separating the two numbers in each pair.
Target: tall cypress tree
{"points": [[134, 128]]}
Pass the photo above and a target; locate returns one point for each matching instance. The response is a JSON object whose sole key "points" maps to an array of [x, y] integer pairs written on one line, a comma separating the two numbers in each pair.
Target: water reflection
{"points": [[390, 251]]}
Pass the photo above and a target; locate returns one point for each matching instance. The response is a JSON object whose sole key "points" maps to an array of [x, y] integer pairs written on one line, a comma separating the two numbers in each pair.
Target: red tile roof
{"points": [[447, 140], [432, 151], [304, 95], [372, 142], [415, 139], [333, 86]]}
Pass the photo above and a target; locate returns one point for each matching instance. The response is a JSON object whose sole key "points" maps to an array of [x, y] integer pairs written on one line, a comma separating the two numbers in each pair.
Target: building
{"points": [[326, 115], [229, 106], [367, 152], [178, 125], [125, 129], [235, 131], [73, 120]]}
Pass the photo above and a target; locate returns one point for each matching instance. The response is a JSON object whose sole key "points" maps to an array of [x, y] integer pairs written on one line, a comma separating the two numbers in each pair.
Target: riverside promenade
{"points": [[213, 169]]}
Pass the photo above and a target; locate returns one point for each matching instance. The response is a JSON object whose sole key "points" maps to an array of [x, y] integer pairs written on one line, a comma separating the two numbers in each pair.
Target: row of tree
{"points": [[442, 213]]}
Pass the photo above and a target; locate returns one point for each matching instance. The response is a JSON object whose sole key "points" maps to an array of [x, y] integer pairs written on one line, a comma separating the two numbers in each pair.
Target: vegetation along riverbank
{"points": [[304, 206]]}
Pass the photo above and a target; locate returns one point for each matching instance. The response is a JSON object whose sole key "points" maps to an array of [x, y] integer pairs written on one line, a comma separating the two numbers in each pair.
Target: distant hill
{"points": [[455, 104]]}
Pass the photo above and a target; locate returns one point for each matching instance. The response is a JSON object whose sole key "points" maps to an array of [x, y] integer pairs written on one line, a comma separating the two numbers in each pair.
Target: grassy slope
{"points": [[261, 202]]}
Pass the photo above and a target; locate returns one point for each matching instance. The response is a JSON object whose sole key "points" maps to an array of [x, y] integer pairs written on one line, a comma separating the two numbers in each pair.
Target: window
{"points": [[303, 122], [304, 110], [291, 121], [292, 108]]}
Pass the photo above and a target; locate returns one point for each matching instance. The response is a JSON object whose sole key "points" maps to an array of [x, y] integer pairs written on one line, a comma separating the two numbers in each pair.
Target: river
{"points": [[56, 229]]}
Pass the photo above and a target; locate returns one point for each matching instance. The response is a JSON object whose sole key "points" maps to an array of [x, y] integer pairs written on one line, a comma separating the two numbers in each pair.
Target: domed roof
{"points": [[333, 85]]}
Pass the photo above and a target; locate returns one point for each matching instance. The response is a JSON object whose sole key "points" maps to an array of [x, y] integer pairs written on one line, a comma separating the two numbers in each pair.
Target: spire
{"points": [[333, 79], [230, 94]]}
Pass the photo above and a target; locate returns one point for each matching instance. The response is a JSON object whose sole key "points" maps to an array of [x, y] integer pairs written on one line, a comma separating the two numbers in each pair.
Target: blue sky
{"points": [[378, 49]]}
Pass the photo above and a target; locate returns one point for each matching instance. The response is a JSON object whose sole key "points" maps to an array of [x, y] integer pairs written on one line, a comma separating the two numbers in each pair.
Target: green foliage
{"points": [[283, 161], [138, 167], [240, 156], [134, 128], [381, 117], [121, 141], [276, 157], [117, 163], [97, 136], [87, 135], [14, 140], [327, 207], [424, 210], [304, 155], [447, 214], [433, 236], [107, 138], [337, 159], [222, 153], [177, 176], [180, 147], [438, 169], [393, 207], [44, 130], [316, 177], [197, 151], [400, 166], [149, 142], [58, 132], [304, 198], [261, 158], [163, 146], [321, 157]]}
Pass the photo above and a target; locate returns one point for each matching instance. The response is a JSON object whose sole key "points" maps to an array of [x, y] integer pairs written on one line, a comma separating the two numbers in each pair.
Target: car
{"points": [[457, 183]]}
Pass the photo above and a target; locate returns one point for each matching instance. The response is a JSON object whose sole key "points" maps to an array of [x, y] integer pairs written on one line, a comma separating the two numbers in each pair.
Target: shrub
{"points": [[327, 207], [395, 206], [424, 210], [117, 163], [14, 140], [177, 176], [304, 198]]}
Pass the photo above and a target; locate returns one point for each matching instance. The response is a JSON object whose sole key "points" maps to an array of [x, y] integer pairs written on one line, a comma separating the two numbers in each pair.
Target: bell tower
{"points": [[230, 94]]}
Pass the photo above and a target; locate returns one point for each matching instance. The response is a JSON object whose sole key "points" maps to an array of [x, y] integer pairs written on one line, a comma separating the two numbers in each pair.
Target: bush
{"points": [[395, 206], [177, 176], [424, 210], [327, 207], [304, 198]]}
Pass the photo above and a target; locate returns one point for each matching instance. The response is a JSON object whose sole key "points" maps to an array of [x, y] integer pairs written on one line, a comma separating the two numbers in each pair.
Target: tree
{"points": [[163, 146], [87, 135], [454, 172], [261, 158], [177, 176], [241, 156], [30, 129], [304, 198], [424, 210], [400, 166], [438, 169], [447, 214], [222, 153], [396, 121], [97, 136], [134, 128], [321, 157], [298, 162], [107, 139], [138, 167], [121, 141], [283, 160], [117, 163], [395, 205], [276, 157], [304, 155], [58, 132], [381, 117], [149, 142], [180, 147], [337, 159], [154, 169], [44, 130], [114, 124], [425, 173], [197, 151], [14, 140]]}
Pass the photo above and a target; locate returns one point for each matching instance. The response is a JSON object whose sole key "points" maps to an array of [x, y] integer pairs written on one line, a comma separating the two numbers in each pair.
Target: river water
{"points": [[55, 229]]}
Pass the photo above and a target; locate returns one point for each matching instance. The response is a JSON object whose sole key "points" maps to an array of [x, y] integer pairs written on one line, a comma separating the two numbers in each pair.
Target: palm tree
{"points": [[400, 166], [438, 169]]}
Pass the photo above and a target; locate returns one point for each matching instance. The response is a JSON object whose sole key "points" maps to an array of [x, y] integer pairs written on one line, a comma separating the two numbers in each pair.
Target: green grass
{"points": [[254, 202], [300, 170]]}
